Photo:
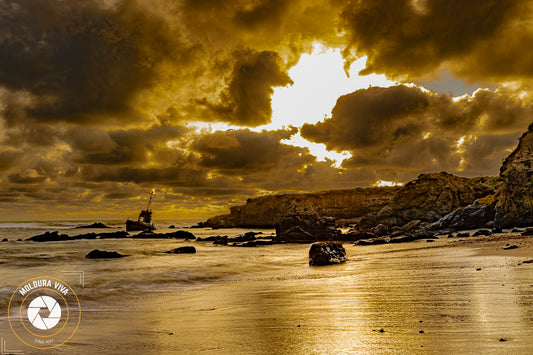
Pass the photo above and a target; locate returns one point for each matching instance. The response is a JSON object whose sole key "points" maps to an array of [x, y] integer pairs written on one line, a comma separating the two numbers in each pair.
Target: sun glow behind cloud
{"points": [[383, 183], [319, 79]]}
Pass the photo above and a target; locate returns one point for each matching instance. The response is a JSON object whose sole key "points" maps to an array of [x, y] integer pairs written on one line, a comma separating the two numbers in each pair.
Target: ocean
{"points": [[147, 266], [402, 298]]}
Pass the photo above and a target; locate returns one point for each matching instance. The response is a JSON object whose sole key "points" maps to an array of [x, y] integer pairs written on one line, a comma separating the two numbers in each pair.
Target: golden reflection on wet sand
{"points": [[389, 299]]}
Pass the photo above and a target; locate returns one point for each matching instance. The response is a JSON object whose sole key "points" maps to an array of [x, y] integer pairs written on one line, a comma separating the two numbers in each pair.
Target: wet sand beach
{"points": [[449, 296]]}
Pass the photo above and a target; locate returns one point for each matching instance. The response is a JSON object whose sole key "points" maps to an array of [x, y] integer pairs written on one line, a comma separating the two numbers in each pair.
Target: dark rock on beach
{"points": [[297, 234], [527, 233], [221, 240], [183, 250], [326, 253], [180, 235], [114, 235], [247, 237], [482, 232], [94, 225], [470, 217], [411, 225], [49, 237], [148, 234], [254, 243], [55, 236], [359, 235], [85, 236], [404, 238], [375, 241], [102, 254], [306, 227], [5, 240], [381, 230], [210, 239]]}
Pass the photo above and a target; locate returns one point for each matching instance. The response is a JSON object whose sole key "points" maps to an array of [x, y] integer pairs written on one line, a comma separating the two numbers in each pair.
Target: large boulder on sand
{"points": [[326, 253]]}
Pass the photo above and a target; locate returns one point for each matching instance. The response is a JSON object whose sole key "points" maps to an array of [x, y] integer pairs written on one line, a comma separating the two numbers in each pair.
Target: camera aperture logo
{"points": [[44, 312]]}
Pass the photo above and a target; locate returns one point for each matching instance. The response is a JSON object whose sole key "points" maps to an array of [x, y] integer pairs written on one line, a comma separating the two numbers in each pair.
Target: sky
{"points": [[209, 103]]}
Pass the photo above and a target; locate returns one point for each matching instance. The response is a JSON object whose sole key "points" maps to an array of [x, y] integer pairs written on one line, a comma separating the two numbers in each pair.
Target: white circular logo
{"points": [[35, 314]]}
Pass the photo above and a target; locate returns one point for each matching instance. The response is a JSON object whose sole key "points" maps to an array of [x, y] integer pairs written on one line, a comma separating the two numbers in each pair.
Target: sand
{"points": [[448, 296]]}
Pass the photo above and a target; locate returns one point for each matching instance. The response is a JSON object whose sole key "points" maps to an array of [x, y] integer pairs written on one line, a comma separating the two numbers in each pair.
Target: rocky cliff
{"points": [[430, 197], [265, 211], [514, 201]]}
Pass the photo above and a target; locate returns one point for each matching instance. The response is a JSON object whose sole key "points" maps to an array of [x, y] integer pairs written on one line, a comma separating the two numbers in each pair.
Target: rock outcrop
{"points": [[428, 198], [327, 253], [93, 225], [306, 228], [180, 234], [265, 211], [514, 206], [477, 215], [56, 237], [49, 237], [103, 254], [189, 249]]}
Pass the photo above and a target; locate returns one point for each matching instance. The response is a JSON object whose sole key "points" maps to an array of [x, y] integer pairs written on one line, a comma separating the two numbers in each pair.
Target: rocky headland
{"points": [[514, 200], [265, 211], [432, 204]]}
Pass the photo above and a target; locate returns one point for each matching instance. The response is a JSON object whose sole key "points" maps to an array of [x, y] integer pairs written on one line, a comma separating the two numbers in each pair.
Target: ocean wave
{"points": [[23, 225]]}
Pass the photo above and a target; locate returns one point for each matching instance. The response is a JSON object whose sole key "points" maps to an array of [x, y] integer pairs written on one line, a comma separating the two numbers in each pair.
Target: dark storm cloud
{"points": [[410, 38], [367, 117], [95, 146], [242, 152], [410, 128], [9, 158], [33, 135], [486, 152], [168, 175], [30, 177], [247, 98], [290, 26], [414, 154], [81, 59], [96, 96], [265, 13]]}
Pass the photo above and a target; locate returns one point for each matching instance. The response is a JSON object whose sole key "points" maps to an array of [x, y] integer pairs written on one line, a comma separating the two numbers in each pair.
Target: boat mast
{"points": [[150, 200]]}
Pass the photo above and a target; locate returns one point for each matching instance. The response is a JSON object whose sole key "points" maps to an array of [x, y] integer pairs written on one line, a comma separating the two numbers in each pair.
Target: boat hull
{"points": [[138, 226]]}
